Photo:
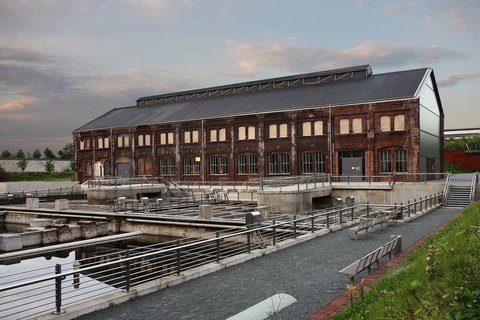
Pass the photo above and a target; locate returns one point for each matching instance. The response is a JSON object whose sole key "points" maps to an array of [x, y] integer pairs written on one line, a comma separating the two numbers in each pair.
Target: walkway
{"points": [[308, 271]]}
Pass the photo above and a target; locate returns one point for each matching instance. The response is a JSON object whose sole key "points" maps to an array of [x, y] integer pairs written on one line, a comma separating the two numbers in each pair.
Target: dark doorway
{"points": [[351, 165]]}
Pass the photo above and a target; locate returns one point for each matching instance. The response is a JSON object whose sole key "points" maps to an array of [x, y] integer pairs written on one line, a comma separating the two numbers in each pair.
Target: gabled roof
{"points": [[369, 88]]}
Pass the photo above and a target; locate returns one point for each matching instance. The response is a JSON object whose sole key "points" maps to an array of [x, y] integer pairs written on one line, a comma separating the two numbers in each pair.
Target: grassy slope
{"points": [[440, 280]]}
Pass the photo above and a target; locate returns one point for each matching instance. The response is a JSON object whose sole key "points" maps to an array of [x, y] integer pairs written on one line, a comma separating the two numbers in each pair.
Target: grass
{"points": [[440, 280], [37, 176]]}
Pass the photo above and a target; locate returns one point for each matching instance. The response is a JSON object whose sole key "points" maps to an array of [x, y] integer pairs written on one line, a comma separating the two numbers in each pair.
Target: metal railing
{"points": [[19, 196], [446, 188], [473, 187], [39, 291]]}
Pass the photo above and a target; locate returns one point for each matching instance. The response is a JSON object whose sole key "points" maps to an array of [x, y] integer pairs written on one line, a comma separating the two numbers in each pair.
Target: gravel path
{"points": [[307, 271]]}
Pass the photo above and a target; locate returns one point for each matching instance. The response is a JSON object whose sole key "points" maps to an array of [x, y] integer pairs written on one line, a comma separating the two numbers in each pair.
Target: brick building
{"points": [[344, 122]]}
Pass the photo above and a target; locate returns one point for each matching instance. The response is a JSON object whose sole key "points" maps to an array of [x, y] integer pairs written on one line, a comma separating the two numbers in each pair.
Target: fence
{"points": [[38, 291], [48, 194]]}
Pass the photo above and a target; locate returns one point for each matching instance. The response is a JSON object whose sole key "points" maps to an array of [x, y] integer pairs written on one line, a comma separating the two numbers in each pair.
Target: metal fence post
{"points": [[313, 223], [295, 226], [328, 219], [249, 242], [58, 289], [274, 233], [127, 272], [218, 247], [352, 212], [341, 216], [401, 209], [178, 258], [368, 210], [415, 206], [408, 208]]}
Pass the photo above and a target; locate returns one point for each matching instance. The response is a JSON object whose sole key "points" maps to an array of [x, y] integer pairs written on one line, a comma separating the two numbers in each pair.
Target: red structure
{"points": [[464, 159]]}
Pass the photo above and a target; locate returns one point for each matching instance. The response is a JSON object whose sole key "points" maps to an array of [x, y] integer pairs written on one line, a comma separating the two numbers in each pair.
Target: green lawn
{"points": [[440, 280], [38, 176]]}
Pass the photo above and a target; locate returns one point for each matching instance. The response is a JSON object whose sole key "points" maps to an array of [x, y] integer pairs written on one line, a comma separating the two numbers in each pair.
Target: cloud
{"points": [[300, 58], [453, 79], [16, 104], [465, 15]]}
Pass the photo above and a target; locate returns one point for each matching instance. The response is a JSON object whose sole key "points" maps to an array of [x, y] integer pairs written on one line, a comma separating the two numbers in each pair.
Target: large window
{"points": [[313, 162], [385, 160], [401, 160], [167, 166], [218, 164], [247, 164], [356, 125], [399, 122], [191, 165], [390, 164], [385, 124], [279, 163], [144, 166]]}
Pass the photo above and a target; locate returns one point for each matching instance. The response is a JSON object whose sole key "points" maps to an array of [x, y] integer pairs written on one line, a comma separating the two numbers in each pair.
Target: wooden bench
{"points": [[392, 247]]}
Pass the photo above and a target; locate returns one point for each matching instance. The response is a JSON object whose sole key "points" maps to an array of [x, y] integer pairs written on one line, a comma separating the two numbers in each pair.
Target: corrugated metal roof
{"points": [[387, 86]]}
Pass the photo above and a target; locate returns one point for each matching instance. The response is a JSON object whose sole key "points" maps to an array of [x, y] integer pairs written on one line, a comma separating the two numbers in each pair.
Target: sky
{"points": [[64, 63]]}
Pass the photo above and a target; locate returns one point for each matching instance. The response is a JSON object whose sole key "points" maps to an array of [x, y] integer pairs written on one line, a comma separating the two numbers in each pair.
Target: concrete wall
{"points": [[33, 165], [34, 185], [401, 192], [290, 201]]}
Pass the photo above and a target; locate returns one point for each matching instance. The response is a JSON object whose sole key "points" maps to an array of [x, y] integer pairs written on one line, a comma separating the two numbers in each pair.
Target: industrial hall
{"points": [[343, 122]]}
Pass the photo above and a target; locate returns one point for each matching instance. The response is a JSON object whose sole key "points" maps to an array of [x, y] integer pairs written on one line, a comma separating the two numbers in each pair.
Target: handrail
{"points": [[473, 187], [446, 188]]}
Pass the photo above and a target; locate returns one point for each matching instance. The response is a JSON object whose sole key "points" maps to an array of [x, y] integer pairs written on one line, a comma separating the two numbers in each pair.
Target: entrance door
{"points": [[351, 165], [123, 170]]}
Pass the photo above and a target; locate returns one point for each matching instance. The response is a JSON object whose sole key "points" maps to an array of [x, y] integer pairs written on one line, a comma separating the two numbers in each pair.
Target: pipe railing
{"points": [[473, 187], [446, 188], [122, 270]]}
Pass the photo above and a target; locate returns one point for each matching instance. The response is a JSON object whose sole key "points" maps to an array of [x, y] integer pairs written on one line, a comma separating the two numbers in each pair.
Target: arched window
{"points": [[219, 164], [313, 162], [247, 164], [279, 163]]}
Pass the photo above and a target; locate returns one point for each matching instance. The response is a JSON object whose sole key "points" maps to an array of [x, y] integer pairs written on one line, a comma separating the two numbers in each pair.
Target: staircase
{"points": [[460, 190], [459, 196]]}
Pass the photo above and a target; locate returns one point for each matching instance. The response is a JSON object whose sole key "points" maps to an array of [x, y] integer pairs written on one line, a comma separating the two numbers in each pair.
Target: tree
{"points": [[37, 154], [20, 154], [49, 153], [67, 152], [22, 164], [49, 166], [6, 154]]}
